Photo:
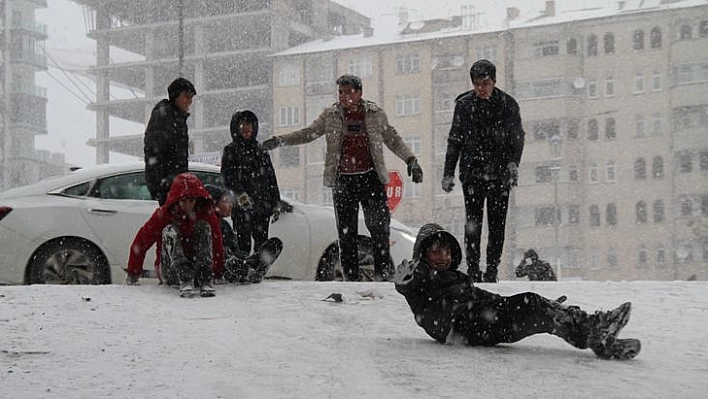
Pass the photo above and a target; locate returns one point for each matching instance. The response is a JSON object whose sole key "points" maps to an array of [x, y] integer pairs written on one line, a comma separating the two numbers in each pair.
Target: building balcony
{"points": [[39, 61], [29, 89], [36, 29], [29, 111]]}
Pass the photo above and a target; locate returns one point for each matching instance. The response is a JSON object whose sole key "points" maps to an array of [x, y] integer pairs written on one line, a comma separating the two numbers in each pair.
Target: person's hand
{"points": [[244, 201], [276, 212], [513, 174], [272, 143], [448, 182], [415, 170]]}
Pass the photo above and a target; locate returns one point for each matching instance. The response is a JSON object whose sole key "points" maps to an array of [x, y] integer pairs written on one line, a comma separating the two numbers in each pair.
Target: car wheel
{"points": [[68, 261], [330, 268]]}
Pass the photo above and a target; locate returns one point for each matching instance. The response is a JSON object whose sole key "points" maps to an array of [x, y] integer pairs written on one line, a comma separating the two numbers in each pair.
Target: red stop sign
{"points": [[394, 190]]}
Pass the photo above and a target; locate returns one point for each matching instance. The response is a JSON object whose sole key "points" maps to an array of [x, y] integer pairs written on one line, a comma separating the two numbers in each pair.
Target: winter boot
{"points": [[604, 327], [206, 290], [570, 323], [490, 275], [186, 290], [624, 349]]}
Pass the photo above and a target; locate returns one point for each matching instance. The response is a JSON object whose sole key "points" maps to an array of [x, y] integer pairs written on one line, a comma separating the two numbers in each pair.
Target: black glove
{"points": [[276, 212], [513, 174], [415, 171], [272, 143], [448, 182]]}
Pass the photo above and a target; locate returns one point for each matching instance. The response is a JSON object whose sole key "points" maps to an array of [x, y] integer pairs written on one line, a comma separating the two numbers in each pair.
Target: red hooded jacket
{"points": [[185, 185]]}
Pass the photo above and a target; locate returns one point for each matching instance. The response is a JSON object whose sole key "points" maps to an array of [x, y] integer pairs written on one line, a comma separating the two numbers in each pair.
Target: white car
{"points": [[77, 229]]}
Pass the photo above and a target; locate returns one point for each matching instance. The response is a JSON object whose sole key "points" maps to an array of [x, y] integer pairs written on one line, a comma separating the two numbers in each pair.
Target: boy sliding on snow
{"points": [[186, 230], [253, 268], [449, 308]]}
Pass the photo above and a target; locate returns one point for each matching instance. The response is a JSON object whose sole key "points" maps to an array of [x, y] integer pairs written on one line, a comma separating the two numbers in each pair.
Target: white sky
{"points": [[279, 340]]}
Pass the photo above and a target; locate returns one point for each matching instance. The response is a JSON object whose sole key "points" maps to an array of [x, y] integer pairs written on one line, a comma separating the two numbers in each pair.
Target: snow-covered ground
{"points": [[280, 340]]}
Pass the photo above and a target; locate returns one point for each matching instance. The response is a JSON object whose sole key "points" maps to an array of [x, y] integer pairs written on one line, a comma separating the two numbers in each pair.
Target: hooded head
{"points": [[530, 254], [178, 86], [187, 185], [431, 233], [243, 116]]}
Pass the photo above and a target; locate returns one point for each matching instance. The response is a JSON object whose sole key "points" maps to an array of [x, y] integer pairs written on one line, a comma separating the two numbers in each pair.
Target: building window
{"points": [[572, 173], [289, 116], [656, 125], [685, 162], [592, 174], [657, 167], [547, 216], [656, 82], [639, 126], [703, 29], [642, 257], [610, 172], [407, 105], [289, 75], [546, 48], [686, 207], [487, 52], [640, 169], [289, 156], [546, 129], [573, 215], [592, 45], [609, 43], [638, 39], [612, 258], [659, 213], [592, 88], [609, 86], [572, 129], [704, 205], [407, 64], [362, 68], [660, 256], [641, 211], [703, 161], [685, 32], [544, 174], [572, 46], [638, 83], [655, 37], [592, 130], [611, 214], [610, 129], [594, 215]]}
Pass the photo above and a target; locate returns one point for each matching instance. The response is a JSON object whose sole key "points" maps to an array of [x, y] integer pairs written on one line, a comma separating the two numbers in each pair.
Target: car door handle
{"points": [[102, 211]]}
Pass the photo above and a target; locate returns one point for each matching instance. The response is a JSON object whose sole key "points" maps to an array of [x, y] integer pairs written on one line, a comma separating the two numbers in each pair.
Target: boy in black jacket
{"points": [[450, 308], [237, 269], [248, 172]]}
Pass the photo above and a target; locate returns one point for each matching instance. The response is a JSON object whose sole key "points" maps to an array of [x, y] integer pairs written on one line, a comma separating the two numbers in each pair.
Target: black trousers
{"points": [[249, 225], [348, 192], [495, 194], [505, 320]]}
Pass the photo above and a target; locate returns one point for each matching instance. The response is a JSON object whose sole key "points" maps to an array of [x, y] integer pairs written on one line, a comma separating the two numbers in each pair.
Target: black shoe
{"points": [[490, 277], [475, 277]]}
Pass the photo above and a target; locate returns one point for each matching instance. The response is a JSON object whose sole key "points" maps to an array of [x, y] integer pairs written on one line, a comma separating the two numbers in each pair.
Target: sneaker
{"points": [[186, 290], [206, 290], [605, 327]]}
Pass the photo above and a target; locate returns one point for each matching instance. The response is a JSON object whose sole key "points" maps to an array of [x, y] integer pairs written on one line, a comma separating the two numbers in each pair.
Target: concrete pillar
{"points": [[103, 90]]}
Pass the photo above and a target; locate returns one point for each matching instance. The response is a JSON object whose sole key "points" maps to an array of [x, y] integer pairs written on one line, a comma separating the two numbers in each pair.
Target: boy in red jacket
{"points": [[186, 229]]}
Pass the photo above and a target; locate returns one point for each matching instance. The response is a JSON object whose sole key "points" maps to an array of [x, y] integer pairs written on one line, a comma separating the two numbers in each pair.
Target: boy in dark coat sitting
{"points": [[451, 309], [535, 268]]}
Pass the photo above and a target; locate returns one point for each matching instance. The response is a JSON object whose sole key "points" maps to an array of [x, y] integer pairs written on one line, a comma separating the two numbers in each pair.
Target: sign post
{"points": [[394, 190]]}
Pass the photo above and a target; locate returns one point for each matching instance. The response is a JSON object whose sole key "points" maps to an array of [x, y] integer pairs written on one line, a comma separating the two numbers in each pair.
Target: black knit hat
{"points": [[215, 191], [483, 69], [179, 85]]}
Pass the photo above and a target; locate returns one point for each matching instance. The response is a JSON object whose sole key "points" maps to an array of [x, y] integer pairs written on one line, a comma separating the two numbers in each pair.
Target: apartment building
{"points": [[222, 46], [23, 115], [613, 181]]}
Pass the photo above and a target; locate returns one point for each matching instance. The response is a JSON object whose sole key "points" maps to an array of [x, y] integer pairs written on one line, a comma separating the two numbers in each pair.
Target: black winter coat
{"points": [[246, 167], [166, 147], [437, 297], [485, 136]]}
